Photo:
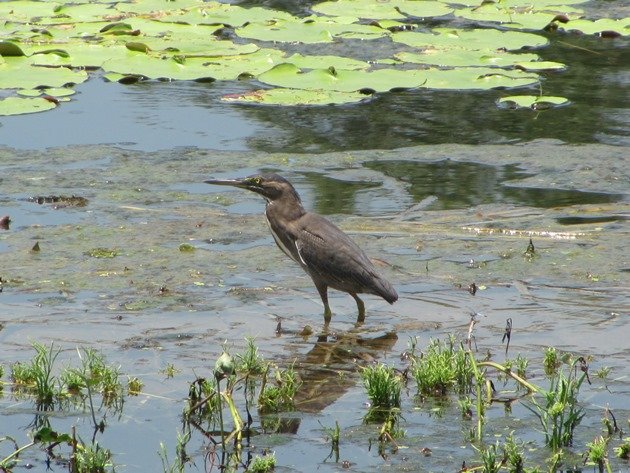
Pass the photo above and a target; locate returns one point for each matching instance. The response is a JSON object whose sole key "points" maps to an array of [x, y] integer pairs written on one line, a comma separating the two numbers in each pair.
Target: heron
{"points": [[329, 256]]}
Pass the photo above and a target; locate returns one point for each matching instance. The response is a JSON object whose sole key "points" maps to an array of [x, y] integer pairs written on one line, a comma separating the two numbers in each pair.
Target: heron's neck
{"points": [[286, 208]]}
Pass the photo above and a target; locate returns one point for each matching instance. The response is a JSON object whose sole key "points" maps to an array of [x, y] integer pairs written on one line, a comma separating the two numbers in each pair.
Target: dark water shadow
{"points": [[459, 185]]}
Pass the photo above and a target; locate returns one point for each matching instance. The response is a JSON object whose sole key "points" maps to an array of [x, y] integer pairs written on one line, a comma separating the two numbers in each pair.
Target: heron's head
{"points": [[271, 186]]}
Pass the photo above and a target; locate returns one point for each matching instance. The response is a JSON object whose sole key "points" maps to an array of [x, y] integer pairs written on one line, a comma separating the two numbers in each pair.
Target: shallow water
{"points": [[443, 188], [441, 217]]}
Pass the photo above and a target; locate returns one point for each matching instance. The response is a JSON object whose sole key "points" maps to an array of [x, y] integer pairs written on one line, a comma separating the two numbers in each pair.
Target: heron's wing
{"points": [[331, 256]]}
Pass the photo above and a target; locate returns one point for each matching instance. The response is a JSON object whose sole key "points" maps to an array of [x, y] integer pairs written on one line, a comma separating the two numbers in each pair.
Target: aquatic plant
{"points": [[623, 450], [279, 394], [134, 385], [598, 454], [262, 463], [383, 385], [250, 362], [514, 454], [37, 375], [490, 459], [559, 413], [441, 367], [90, 458], [551, 360]]}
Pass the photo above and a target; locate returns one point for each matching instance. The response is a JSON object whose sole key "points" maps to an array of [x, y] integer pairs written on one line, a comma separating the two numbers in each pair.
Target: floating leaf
{"points": [[531, 17], [311, 30], [621, 26], [20, 105], [471, 78], [537, 102], [466, 57], [19, 73], [381, 80], [295, 97], [10, 49], [477, 40], [379, 10], [540, 66]]}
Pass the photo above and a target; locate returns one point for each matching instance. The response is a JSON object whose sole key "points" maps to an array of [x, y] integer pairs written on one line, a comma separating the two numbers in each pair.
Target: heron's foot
{"points": [[361, 307], [327, 316]]}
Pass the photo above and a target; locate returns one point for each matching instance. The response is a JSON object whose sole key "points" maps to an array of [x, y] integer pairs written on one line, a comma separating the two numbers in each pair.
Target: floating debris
{"points": [[60, 200]]}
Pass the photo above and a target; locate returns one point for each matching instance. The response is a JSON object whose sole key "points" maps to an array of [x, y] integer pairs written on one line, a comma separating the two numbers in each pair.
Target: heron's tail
{"points": [[383, 288]]}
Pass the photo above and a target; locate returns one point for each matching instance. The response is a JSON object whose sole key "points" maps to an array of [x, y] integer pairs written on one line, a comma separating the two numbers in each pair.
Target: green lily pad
{"points": [[25, 11], [21, 105], [621, 26], [532, 17], [381, 80], [71, 13], [310, 30], [540, 66], [477, 78], [466, 58], [195, 68], [379, 10], [316, 62], [155, 6], [80, 55], [19, 73], [55, 92], [295, 97], [536, 102], [215, 13], [479, 39], [8, 48]]}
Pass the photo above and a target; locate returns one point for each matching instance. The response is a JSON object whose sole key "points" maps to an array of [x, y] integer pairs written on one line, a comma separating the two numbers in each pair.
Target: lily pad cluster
{"points": [[47, 47]]}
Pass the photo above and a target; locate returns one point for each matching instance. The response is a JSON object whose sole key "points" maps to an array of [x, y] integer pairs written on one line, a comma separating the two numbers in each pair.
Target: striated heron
{"points": [[326, 253]]}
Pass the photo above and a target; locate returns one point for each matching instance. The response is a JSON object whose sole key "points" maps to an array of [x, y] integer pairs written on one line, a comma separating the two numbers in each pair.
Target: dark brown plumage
{"points": [[326, 253]]}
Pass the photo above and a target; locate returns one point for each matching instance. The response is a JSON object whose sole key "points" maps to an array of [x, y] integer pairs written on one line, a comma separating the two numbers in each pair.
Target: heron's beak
{"points": [[228, 182], [246, 183]]}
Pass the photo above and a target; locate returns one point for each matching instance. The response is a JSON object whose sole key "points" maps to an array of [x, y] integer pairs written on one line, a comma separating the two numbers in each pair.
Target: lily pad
{"points": [[621, 26], [381, 80], [379, 10], [316, 62], [309, 31], [536, 102], [477, 40], [532, 17], [21, 105], [465, 57], [295, 97], [215, 13], [478, 78], [19, 73]]}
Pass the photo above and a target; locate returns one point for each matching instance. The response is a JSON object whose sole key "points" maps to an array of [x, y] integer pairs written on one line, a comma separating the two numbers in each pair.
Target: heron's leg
{"points": [[361, 307], [323, 293]]}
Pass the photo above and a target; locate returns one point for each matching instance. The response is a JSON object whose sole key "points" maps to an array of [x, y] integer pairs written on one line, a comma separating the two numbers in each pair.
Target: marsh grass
{"points": [[514, 454], [334, 435], [598, 454], [623, 450], [383, 385], [91, 458], [262, 463], [442, 367], [491, 460], [37, 376], [559, 413], [551, 361], [278, 393]]}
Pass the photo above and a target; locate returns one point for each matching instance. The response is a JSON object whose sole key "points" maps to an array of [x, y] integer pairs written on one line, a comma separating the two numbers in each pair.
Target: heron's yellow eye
{"points": [[257, 181]]}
